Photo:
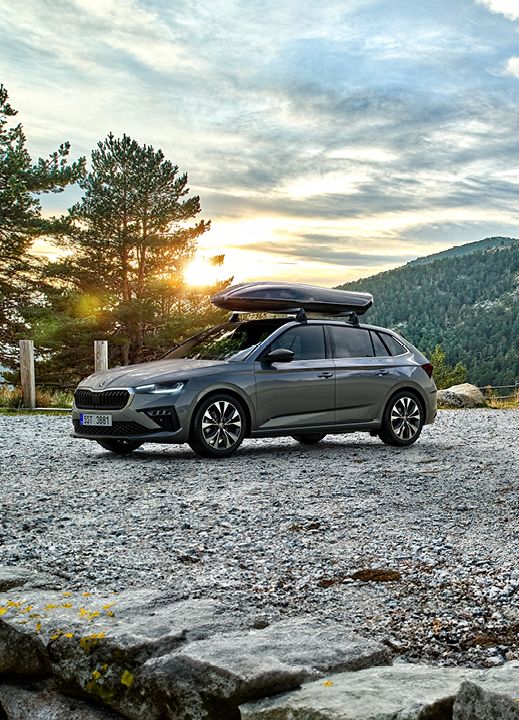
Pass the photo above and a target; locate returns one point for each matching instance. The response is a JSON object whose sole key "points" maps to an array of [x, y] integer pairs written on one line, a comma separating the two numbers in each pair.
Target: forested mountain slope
{"points": [[466, 299]]}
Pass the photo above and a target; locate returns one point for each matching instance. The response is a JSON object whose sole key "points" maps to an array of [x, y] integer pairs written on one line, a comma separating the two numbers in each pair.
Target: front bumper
{"points": [[148, 418]]}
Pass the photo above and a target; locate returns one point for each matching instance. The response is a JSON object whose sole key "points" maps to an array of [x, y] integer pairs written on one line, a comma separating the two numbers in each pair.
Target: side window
{"points": [[305, 341], [393, 345], [351, 342], [380, 348]]}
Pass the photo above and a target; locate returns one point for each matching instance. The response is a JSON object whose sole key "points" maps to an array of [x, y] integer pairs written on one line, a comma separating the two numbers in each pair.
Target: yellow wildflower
{"points": [[127, 678]]}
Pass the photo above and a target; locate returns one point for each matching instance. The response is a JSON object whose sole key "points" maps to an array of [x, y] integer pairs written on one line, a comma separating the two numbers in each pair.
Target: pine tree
{"points": [[129, 238], [21, 182]]}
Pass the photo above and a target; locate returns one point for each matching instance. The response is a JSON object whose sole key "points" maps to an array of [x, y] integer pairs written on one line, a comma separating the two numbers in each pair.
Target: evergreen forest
{"points": [[465, 299]]}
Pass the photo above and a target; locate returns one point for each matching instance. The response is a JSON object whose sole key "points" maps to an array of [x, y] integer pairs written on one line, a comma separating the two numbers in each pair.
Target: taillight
{"points": [[428, 369]]}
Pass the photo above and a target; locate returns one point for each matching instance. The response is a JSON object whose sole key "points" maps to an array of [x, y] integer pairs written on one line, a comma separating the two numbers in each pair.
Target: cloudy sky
{"points": [[327, 139]]}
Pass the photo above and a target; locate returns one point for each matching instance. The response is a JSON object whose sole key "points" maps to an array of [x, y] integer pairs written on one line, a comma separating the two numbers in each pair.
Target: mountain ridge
{"points": [[465, 298]]}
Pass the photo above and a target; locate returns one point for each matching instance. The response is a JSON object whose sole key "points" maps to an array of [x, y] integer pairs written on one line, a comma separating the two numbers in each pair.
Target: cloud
{"points": [[512, 67], [508, 8], [326, 133]]}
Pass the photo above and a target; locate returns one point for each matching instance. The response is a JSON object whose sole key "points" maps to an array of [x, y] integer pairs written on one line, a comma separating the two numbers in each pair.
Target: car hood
{"points": [[158, 371]]}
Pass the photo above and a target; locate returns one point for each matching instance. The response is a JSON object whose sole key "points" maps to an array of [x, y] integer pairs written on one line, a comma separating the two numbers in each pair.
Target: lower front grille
{"points": [[167, 418], [119, 427]]}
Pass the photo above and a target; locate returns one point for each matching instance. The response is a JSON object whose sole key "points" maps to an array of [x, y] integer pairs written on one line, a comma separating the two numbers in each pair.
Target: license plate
{"points": [[98, 420]]}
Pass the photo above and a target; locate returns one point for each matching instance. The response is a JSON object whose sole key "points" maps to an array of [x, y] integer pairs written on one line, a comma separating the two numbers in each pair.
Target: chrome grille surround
{"points": [[114, 399]]}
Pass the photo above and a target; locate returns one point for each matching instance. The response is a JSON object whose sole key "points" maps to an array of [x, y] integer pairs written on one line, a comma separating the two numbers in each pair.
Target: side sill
{"points": [[318, 429]]}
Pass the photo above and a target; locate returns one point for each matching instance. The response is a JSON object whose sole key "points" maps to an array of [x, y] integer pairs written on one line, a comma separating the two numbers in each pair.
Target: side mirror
{"points": [[280, 355]]}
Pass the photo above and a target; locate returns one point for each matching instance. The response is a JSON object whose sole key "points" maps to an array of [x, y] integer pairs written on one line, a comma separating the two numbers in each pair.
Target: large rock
{"points": [[399, 692], [42, 702], [461, 396], [147, 657], [209, 679], [477, 703]]}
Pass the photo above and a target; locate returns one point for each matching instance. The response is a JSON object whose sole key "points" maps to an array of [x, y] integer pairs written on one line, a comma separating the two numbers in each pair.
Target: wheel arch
{"points": [[233, 392], [415, 392]]}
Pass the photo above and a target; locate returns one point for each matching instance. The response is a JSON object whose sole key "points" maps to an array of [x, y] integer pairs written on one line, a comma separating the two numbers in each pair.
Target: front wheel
{"points": [[403, 420], [119, 447], [218, 426], [309, 439]]}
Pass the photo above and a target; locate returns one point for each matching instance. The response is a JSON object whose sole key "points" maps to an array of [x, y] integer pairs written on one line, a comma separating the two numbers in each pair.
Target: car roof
{"points": [[279, 322]]}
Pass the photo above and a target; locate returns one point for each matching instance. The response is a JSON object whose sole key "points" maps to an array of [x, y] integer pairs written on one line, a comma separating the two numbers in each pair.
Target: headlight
{"points": [[164, 388]]}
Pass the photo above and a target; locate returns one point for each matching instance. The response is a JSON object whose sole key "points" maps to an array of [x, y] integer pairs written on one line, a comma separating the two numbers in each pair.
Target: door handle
{"points": [[325, 375], [382, 372]]}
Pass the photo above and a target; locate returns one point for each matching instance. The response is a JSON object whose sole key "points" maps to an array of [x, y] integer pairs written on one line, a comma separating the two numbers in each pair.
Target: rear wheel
{"points": [[403, 420], [309, 439], [119, 447], [218, 426]]}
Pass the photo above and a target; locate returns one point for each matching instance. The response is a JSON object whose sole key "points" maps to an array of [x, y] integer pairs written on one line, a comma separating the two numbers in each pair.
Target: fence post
{"points": [[100, 355], [27, 376]]}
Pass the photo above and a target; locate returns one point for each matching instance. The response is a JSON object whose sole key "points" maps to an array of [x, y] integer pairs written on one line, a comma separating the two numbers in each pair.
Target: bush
{"points": [[11, 397], [446, 375]]}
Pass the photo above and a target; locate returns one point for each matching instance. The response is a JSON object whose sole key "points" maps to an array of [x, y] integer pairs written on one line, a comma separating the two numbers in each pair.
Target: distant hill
{"points": [[465, 298]]}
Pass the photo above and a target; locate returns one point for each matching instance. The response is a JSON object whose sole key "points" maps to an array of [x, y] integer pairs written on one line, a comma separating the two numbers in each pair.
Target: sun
{"points": [[201, 272]]}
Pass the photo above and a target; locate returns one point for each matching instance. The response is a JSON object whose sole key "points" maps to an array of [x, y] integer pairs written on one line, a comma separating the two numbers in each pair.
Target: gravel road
{"points": [[280, 529]]}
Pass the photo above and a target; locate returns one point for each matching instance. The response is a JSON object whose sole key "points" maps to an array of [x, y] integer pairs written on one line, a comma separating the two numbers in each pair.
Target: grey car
{"points": [[262, 378]]}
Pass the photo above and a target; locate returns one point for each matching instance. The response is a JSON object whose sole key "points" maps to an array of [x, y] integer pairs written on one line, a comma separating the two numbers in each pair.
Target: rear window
{"points": [[351, 342], [378, 345], [393, 345]]}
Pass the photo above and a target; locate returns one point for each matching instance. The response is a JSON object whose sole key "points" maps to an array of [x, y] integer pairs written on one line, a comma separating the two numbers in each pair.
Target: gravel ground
{"points": [[280, 529]]}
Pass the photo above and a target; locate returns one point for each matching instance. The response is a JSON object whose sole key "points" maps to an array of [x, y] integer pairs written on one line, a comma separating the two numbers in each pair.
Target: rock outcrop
{"points": [[68, 655], [145, 657], [399, 692]]}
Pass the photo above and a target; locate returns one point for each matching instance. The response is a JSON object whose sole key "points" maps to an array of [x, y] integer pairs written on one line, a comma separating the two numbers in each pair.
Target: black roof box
{"points": [[290, 297]]}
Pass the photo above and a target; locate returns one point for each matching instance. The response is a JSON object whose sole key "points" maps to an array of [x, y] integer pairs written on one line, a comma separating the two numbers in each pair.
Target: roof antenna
{"points": [[301, 316]]}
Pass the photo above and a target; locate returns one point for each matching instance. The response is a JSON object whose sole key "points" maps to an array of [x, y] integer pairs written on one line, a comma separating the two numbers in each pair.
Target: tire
{"points": [[403, 420], [218, 426], [119, 447], [309, 439]]}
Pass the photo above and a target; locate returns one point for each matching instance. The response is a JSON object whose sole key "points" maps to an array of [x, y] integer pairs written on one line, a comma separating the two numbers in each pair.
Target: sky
{"points": [[327, 139]]}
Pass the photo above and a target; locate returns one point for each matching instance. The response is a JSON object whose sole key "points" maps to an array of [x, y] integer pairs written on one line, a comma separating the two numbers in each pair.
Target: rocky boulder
{"points": [[399, 692], [461, 396], [144, 656]]}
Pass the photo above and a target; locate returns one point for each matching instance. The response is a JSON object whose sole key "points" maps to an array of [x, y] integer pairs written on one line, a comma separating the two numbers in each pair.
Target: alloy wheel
{"points": [[221, 425], [405, 418]]}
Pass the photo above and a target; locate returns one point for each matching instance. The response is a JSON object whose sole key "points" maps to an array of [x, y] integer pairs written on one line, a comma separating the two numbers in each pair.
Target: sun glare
{"points": [[201, 272]]}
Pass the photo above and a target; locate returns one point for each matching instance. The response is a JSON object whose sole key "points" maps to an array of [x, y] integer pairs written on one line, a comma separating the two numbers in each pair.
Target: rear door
{"points": [[364, 373], [301, 392]]}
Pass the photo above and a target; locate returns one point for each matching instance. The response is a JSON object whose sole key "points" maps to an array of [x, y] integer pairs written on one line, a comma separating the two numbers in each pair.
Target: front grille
{"points": [[119, 427], [105, 400]]}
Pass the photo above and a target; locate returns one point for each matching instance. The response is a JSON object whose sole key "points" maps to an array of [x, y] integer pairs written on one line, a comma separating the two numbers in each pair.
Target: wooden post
{"points": [[27, 377], [100, 355]]}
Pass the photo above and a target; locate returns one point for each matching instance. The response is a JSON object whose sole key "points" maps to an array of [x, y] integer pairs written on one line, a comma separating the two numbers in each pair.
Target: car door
{"points": [[300, 393], [364, 373]]}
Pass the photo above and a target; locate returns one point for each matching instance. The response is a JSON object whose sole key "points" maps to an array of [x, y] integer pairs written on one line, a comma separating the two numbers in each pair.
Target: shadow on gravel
{"points": [[278, 450]]}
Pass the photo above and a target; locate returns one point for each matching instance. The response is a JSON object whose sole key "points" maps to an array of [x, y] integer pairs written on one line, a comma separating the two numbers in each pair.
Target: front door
{"points": [[300, 393]]}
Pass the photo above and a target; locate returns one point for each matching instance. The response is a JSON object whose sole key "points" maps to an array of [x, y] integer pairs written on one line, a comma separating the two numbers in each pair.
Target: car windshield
{"points": [[232, 341]]}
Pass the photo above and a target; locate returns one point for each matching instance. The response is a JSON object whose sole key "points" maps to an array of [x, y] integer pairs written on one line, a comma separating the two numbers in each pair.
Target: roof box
{"points": [[290, 297]]}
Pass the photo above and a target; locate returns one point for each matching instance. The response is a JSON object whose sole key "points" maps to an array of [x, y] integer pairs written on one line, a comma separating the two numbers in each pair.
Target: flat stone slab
{"points": [[398, 692], [210, 678]]}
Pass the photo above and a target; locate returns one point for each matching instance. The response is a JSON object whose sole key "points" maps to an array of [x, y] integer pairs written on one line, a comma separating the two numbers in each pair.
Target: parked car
{"points": [[282, 376]]}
